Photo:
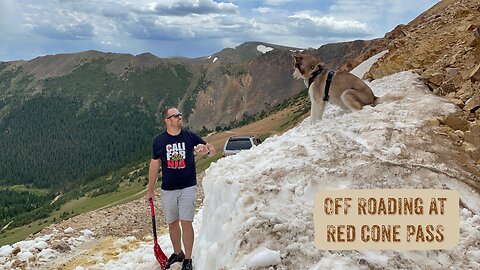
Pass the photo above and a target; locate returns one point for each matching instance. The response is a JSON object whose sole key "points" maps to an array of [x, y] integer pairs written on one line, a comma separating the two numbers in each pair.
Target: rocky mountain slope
{"points": [[443, 46]]}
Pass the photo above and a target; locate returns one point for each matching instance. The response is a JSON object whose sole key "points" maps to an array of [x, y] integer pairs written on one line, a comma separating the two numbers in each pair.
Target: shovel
{"points": [[159, 255]]}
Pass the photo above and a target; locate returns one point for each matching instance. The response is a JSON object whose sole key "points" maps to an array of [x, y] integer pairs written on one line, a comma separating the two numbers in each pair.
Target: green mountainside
{"points": [[68, 122]]}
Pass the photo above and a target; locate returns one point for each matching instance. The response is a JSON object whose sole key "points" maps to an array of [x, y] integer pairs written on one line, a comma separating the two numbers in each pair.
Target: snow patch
{"points": [[365, 66], [215, 59], [264, 49], [263, 257], [6, 250]]}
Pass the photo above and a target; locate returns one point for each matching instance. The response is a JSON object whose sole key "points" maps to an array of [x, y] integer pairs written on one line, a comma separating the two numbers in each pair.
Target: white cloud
{"points": [[328, 26], [185, 8], [382, 11], [264, 10], [276, 2], [72, 31]]}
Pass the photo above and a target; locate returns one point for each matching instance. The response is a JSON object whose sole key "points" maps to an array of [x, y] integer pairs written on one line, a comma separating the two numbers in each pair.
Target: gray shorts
{"points": [[179, 204]]}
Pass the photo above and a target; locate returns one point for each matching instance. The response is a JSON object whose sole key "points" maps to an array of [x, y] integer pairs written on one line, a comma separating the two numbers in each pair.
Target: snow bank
{"points": [[262, 199]]}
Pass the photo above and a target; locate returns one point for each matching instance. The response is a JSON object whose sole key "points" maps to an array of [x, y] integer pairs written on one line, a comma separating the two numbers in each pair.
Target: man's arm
{"points": [[152, 177]]}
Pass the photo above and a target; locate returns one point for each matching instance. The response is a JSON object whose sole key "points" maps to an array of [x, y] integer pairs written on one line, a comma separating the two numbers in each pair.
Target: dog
{"points": [[346, 90]]}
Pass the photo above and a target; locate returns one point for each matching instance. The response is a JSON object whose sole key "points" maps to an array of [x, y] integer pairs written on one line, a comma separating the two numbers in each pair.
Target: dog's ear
{"points": [[298, 57]]}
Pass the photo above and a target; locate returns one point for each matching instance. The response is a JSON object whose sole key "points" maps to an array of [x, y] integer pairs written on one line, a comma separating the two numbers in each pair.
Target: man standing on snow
{"points": [[175, 149]]}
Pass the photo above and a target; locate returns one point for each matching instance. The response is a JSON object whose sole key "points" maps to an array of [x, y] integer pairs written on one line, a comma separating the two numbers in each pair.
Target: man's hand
{"points": [[201, 149], [150, 194]]}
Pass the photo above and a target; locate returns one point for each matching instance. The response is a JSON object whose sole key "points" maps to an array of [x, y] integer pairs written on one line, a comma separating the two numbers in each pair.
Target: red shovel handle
{"points": [[157, 251]]}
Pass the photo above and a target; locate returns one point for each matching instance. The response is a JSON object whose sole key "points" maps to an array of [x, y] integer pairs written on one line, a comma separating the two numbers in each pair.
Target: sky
{"points": [[258, 205], [190, 28]]}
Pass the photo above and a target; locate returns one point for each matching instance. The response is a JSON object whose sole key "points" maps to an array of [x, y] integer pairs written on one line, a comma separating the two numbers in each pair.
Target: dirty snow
{"points": [[263, 198], [40, 250]]}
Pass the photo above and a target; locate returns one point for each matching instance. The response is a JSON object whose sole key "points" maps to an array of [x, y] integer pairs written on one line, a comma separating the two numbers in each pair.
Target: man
{"points": [[175, 149]]}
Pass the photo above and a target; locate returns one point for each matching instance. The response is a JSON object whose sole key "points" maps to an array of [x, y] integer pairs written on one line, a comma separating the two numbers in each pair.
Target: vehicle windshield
{"points": [[239, 144]]}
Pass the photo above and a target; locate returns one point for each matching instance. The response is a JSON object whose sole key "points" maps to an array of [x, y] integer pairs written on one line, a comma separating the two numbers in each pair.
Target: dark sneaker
{"points": [[175, 258], [187, 264]]}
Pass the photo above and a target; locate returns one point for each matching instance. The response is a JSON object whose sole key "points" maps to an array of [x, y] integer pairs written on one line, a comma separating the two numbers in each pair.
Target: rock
{"points": [[460, 133], [17, 264], [466, 91], [472, 151], [475, 75], [458, 102], [436, 78], [454, 136], [451, 73], [472, 104], [15, 251], [456, 123], [476, 33], [451, 95], [61, 246], [434, 122], [447, 88], [473, 135], [399, 31]]}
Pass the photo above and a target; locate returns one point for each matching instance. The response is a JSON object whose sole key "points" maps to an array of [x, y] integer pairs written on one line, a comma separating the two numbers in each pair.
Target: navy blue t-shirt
{"points": [[177, 158]]}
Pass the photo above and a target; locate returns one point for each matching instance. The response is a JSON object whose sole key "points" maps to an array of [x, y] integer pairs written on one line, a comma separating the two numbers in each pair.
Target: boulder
{"points": [[456, 123], [472, 104]]}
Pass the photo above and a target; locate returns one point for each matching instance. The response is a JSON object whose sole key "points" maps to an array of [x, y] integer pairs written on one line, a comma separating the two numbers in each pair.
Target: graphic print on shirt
{"points": [[176, 155]]}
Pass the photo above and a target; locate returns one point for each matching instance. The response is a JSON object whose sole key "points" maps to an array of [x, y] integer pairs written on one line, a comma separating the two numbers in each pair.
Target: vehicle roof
{"points": [[241, 137]]}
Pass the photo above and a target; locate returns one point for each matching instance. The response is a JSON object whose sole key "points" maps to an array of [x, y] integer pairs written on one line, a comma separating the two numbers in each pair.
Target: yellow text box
{"points": [[381, 219]]}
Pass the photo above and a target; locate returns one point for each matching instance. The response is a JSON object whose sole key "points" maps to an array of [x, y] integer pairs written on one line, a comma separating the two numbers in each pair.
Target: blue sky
{"points": [[190, 28]]}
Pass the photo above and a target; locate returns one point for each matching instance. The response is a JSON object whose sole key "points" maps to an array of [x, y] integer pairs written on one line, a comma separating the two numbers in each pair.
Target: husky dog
{"points": [[346, 90]]}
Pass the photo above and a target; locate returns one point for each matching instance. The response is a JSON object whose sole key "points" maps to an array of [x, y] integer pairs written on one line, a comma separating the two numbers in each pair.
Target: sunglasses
{"points": [[176, 115]]}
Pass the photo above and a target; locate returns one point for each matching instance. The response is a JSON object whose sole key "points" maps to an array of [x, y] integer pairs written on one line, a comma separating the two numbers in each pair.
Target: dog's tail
{"points": [[388, 98]]}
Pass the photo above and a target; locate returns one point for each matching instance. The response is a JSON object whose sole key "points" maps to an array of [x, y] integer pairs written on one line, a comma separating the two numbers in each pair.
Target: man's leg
{"points": [[187, 237], [186, 205], [170, 210], [175, 236]]}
